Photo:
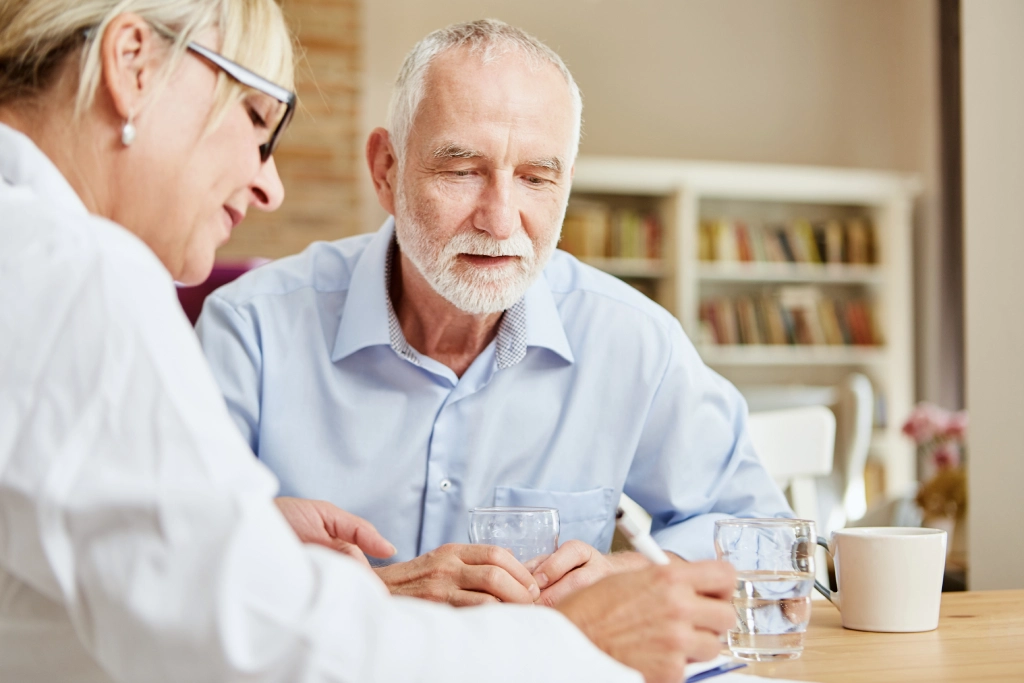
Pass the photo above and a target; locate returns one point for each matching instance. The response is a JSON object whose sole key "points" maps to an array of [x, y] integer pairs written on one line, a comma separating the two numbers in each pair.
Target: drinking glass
{"points": [[531, 534], [774, 561]]}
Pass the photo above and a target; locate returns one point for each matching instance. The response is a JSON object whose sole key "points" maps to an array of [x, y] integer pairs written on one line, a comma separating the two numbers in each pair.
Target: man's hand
{"points": [[658, 619], [576, 565], [317, 521], [462, 575]]}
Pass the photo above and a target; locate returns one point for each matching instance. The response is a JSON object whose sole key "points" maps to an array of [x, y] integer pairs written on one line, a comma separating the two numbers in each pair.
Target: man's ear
{"points": [[131, 54], [380, 157]]}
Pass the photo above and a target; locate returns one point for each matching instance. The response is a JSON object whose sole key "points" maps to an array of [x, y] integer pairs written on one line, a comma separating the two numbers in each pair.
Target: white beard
{"points": [[479, 291]]}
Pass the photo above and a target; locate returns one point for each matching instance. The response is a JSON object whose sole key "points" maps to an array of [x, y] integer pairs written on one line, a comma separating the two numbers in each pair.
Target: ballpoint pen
{"points": [[640, 539], [716, 671]]}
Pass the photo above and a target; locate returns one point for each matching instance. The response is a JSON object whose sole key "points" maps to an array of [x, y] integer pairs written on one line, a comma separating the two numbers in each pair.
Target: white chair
{"points": [[841, 494], [795, 446]]}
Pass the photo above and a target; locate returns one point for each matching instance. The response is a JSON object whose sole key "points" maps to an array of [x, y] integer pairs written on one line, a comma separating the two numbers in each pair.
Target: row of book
{"points": [[595, 230], [801, 241], [796, 319]]}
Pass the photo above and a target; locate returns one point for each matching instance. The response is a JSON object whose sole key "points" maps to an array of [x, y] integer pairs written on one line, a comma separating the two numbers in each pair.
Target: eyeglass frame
{"points": [[256, 82], [251, 80]]}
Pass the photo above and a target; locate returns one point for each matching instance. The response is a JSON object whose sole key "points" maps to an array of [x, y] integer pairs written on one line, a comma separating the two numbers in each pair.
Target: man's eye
{"points": [[461, 173], [534, 180]]}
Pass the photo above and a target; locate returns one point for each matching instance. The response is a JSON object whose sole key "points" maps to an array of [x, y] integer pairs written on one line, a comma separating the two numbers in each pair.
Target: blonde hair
{"points": [[37, 36]]}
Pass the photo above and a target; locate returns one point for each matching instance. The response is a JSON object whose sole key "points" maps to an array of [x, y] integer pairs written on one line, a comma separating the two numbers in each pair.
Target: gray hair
{"points": [[491, 39]]}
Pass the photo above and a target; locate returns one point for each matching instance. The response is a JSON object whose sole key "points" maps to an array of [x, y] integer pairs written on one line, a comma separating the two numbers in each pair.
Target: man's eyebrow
{"points": [[454, 151], [553, 164]]}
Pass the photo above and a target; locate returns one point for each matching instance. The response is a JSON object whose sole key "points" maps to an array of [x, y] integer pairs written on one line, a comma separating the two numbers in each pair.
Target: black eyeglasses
{"points": [[256, 82]]}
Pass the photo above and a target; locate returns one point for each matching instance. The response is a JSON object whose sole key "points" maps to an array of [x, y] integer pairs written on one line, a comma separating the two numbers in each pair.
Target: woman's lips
{"points": [[232, 217]]}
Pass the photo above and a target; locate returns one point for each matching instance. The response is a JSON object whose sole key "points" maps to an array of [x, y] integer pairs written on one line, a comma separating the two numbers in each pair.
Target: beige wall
{"points": [[846, 82], [837, 83], [319, 156], [993, 94]]}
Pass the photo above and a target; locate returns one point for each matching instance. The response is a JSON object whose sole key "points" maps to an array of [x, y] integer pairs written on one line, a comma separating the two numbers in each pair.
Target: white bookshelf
{"points": [[681, 193], [789, 273]]}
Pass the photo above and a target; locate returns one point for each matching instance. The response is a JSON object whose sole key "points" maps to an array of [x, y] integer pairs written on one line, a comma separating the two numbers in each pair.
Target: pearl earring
{"points": [[128, 132]]}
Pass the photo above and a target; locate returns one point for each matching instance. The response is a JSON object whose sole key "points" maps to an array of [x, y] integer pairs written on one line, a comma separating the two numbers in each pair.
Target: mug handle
{"points": [[831, 596]]}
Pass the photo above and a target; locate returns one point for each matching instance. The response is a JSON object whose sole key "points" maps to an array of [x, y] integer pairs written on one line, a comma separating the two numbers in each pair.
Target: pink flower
{"points": [[946, 456], [956, 426], [926, 422]]}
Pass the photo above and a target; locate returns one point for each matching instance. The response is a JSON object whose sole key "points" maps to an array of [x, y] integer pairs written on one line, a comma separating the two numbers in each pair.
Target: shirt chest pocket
{"points": [[588, 516]]}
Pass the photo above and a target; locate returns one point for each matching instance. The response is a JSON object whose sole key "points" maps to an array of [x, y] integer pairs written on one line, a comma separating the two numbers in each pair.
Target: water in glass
{"points": [[772, 611], [774, 560]]}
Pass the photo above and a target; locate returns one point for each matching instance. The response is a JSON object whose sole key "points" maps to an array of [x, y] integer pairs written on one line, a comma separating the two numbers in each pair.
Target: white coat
{"points": [[138, 536]]}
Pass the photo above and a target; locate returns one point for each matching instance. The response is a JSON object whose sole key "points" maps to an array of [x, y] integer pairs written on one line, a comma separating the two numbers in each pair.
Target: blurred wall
{"points": [[993, 115], [319, 156], [838, 83], [845, 83]]}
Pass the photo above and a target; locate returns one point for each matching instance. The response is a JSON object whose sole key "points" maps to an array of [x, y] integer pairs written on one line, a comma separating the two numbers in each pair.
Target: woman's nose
{"points": [[267, 192]]}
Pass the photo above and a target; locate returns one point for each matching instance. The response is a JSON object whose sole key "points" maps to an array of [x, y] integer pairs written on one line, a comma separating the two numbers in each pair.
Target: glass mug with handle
{"points": [[529, 533], [774, 561]]}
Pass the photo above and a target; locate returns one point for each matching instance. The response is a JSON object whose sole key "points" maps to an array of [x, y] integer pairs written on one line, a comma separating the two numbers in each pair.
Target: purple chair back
{"points": [[192, 298]]}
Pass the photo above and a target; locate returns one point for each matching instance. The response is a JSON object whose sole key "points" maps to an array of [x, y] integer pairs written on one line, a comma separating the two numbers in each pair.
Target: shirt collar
{"points": [[370, 320], [23, 163], [365, 322], [543, 321]]}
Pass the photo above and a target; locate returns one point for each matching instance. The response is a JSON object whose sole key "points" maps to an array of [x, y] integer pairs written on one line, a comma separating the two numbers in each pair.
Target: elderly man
{"points": [[455, 359]]}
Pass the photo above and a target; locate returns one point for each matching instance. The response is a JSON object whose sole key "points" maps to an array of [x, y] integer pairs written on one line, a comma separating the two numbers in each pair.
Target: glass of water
{"points": [[774, 560], [531, 534]]}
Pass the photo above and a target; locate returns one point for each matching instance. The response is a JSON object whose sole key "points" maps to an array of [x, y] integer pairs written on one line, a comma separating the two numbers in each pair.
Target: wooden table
{"points": [[980, 638]]}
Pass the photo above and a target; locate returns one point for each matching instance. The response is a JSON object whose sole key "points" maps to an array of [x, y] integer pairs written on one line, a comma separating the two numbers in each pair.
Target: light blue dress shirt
{"points": [[588, 390]]}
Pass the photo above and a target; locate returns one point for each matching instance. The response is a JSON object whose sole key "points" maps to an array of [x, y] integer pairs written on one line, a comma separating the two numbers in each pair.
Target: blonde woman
{"points": [[139, 539]]}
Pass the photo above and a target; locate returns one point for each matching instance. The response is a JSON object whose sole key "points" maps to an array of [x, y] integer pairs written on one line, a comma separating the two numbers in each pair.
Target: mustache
{"points": [[482, 244]]}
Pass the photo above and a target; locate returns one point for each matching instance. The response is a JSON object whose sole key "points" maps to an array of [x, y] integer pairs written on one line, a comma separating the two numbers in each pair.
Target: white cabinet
{"points": [[790, 204]]}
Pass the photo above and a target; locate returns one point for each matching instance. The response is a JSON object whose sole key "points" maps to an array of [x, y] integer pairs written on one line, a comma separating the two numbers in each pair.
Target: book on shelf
{"points": [[859, 242], [849, 241], [592, 229], [585, 229], [801, 316]]}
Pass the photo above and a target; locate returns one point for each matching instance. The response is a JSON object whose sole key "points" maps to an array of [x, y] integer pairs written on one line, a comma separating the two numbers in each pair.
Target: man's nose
{"points": [[497, 213]]}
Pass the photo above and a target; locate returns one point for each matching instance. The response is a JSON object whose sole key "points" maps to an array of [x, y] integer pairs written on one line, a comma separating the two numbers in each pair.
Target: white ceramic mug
{"points": [[888, 579]]}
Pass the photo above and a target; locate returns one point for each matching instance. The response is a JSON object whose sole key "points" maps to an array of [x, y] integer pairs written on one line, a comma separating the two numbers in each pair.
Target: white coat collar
{"points": [[22, 164]]}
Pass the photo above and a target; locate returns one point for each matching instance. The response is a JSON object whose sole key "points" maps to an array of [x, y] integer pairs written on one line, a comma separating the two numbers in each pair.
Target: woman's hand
{"points": [[320, 522]]}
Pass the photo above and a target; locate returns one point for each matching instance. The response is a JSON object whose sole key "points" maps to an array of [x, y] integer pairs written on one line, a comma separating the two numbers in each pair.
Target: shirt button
{"points": [[445, 484]]}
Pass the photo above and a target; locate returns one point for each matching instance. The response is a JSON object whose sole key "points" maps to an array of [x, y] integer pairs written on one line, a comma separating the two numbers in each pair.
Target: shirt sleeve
{"points": [[695, 462], [229, 340], [128, 498]]}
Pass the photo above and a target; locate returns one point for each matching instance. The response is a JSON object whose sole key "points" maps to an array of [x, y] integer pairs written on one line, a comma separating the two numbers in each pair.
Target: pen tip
{"points": [[619, 513]]}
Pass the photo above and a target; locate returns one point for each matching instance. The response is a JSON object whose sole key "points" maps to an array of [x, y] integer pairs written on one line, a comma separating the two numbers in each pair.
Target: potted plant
{"points": [[940, 436]]}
